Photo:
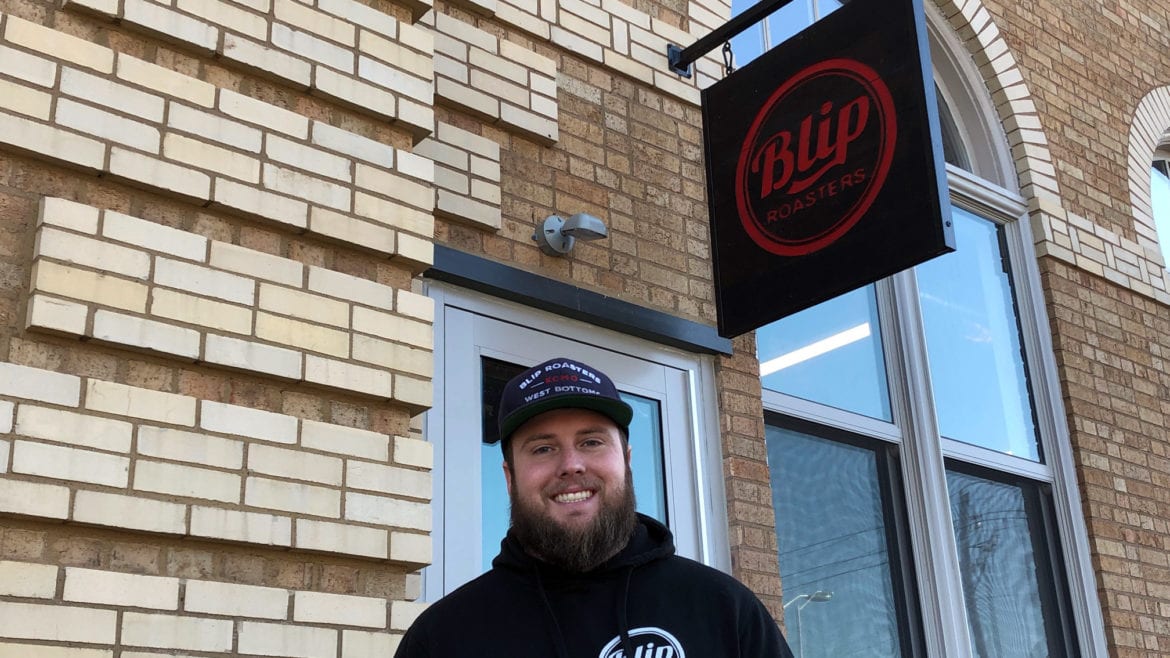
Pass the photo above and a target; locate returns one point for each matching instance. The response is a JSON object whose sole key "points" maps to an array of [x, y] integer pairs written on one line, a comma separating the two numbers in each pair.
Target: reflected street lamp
{"points": [[819, 596]]}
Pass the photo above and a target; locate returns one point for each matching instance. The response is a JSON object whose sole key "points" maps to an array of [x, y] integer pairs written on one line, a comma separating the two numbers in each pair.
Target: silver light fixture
{"points": [[556, 236]]}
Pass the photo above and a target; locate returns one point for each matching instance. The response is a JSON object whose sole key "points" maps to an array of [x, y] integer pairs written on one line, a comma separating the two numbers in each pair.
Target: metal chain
{"points": [[728, 59]]}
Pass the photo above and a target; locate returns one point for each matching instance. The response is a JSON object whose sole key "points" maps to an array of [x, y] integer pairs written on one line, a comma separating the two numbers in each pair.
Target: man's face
{"points": [[569, 482]]}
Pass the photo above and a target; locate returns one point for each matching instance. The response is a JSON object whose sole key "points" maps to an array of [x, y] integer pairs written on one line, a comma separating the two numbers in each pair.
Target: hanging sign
{"points": [[824, 164]]}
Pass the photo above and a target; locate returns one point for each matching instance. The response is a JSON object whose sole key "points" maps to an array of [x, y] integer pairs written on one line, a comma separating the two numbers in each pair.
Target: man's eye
{"points": [[540, 450], [592, 442]]}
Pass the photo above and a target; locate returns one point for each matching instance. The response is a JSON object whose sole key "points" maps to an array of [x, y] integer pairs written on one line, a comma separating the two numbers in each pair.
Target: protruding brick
{"points": [[294, 464], [174, 632], [140, 402], [344, 440], [153, 236], [71, 427], [387, 479], [252, 356], [58, 623], [413, 452], [186, 481], [132, 512], [292, 497], [43, 385], [341, 538], [250, 527], [287, 640], [359, 644], [145, 334], [34, 499], [410, 548], [87, 286], [245, 421], [236, 600], [61, 463], [54, 314], [27, 580], [257, 264], [388, 511], [348, 376], [59, 45], [190, 447], [403, 614], [121, 589]]}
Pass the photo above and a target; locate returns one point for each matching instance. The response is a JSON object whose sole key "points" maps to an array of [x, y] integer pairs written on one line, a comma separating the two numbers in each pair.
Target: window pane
{"points": [[831, 354], [646, 459], [835, 563], [1011, 601], [973, 340], [1160, 198]]}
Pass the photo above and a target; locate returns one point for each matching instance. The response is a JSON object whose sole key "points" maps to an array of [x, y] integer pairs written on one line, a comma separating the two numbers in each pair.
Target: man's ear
{"points": [[508, 476], [629, 451]]}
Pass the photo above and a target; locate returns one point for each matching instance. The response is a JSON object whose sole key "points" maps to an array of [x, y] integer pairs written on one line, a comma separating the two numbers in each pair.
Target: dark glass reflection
{"points": [[1011, 598], [835, 564]]}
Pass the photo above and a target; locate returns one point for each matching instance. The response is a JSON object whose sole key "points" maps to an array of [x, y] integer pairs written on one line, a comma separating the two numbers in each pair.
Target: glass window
{"points": [[1160, 199], [831, 354], [973, 341], [1013, 604], [777, 28], [833, 501]]}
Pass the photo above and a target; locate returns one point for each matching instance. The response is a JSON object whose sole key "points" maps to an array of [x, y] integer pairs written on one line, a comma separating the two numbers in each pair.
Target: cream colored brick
{"points": [[287, 640], [131, 512], [201, 311], [186, 481], [276, 63], [319, 51], [341, 538], [294, 464], [360, 14], [155, 237], [61, 463], [346, 286], [159, 173], [410, 547], [528, 122], [475, 213], [415, 166], [5, 449], [393, 356], [25, 100], [53, 142], [415, 305], [360, 644], [303, 335], [401, 82], [204, 281], [252, 356], [227, 15], [313, 160], [214, 127], [299, 15], [263, 114], [6, 412], [58, 45], [310, 188], [140, 402], [388, 479], [28, 67], [403, 614], [174, 632], [348, 376], [235, 600], [13, 650], [391, 213], [190, 447], [467, 98], [170, 24], [251, 527], [213, 158], [68, 214], [344, 440], [395, 327], [80, 250], [414, 391], [34, 499], [292, 497], [165, 81], [121, 589], [145, 334], [257, 264], [56, 314], [339, 609], [387, 511], [306, 306], [43, 385], [112, 95], [355, 231], [245, 421], [413, 452], [402, 189], [74, 428], [280, 209], [365, 96], [24, 579], [353, 145], [392, 53], [89, 286], [57, 623]]}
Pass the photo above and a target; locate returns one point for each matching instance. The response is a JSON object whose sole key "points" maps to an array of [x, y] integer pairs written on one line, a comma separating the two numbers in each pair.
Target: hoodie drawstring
{"points": [[624, 617], [558, 636]]}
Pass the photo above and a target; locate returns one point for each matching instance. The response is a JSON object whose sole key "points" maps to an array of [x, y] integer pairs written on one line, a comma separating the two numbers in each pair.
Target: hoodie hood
{"points": [[650, 541]]}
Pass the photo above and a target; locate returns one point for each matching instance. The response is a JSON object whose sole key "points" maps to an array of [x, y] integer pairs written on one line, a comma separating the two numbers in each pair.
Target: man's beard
{"points": [[573, 549]]}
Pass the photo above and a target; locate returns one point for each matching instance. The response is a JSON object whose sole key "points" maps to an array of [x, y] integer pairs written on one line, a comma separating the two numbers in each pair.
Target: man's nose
{"points": [[571, 462]]}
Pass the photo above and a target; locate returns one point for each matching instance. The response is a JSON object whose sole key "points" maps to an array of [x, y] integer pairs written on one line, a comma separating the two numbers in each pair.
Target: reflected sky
{"points": [[1160, 197]]}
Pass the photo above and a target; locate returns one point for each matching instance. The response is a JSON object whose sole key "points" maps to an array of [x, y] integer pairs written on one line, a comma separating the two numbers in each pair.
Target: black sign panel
{"points": [[824, 164]]}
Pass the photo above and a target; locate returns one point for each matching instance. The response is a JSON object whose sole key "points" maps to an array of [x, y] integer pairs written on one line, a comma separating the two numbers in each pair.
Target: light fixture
{"points": [[819, 596], [556, 236]]}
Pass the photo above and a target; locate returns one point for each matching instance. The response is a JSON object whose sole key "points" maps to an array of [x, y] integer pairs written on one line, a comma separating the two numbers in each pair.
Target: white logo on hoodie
{"points": [[647, 642]]}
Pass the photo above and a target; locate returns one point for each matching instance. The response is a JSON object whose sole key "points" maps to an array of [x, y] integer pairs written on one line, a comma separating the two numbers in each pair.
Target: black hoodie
{"points": [[645, 602]]}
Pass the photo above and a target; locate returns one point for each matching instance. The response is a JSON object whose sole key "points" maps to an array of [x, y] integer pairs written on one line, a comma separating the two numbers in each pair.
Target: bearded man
{"points": [[580, 573]]}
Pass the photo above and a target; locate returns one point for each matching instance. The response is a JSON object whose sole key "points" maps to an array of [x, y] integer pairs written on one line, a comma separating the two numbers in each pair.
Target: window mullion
{"points": [[931, 531]]}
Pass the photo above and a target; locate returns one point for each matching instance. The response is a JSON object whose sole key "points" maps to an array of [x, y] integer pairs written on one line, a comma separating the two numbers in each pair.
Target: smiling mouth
{"points": [[574, 497]]}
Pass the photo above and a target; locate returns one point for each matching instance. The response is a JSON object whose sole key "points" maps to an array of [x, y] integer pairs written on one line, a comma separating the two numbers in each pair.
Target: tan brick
{"points": [[165, 81], [131, 512], [36, 384], [339, 609], [236, 600], [214, 127], [308, 158], [246, 421], [353, 145], [190, 447], [392, 356], [341, 538], [89, 286], [145, 334], [292, 497], [410, 548], [139, 402], [263, 114], [36, 581], [355, 231], [392, 213], [173, 632], [159, 173], [354, 92], [307, 187], [60, 462], [404, 190], [256, 264], [186, 481], [348, 376], [344, 440], [121, 589], [34, 499], [212, 158], [345, 286], [297, 14], [59, 45], [52, 142], [201, 311], [74, 428], [250, 527], [394, 327], [25, 100], [59, 623], [287, 640], [301, 334], [306, 306], [152, 236]]}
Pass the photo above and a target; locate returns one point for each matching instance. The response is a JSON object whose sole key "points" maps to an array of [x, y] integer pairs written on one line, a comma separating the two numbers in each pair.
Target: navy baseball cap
{"points": [[560, 384]]}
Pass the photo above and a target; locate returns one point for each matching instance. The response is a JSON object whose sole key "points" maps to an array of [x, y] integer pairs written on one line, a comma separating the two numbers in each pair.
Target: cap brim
{"points": [[617, 411]]}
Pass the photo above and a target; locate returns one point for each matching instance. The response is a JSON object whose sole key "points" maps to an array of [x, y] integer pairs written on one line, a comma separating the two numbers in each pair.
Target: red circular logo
{"points": [[815, 157]]}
